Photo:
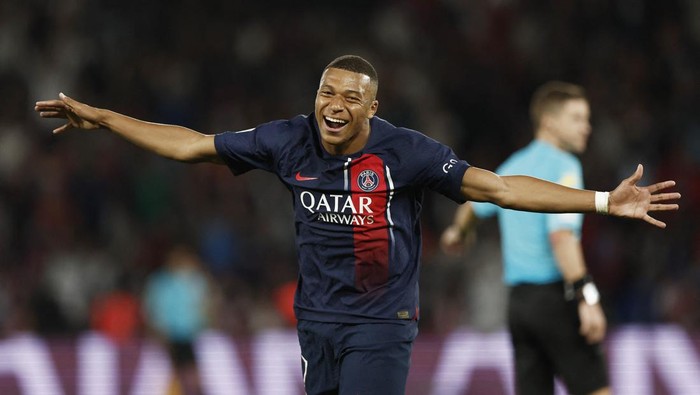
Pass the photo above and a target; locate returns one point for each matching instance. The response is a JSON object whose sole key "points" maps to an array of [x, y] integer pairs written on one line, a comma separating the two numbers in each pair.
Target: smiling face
{"points": [[345, 102]]}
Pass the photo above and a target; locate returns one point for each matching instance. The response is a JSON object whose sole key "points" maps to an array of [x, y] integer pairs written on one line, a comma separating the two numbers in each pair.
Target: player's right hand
{"points": [[79, 115]]}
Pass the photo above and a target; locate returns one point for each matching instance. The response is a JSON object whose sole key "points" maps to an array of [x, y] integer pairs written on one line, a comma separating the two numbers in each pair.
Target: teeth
{"points": [[336, 120]]}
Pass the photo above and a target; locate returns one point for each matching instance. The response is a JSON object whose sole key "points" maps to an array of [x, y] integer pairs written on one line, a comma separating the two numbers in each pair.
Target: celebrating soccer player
{"points": [[357, 184]]}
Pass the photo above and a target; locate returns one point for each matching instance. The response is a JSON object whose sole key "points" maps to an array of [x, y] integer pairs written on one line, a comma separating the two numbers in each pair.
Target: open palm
{"points": [[632, 201]]}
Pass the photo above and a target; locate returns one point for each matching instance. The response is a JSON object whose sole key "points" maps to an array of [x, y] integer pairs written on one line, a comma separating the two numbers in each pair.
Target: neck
{"points": [[356, 144], [547, 138]]}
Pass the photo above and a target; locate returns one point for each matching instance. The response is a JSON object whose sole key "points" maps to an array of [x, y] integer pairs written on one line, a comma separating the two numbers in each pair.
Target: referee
{"points": [[554, 314]]}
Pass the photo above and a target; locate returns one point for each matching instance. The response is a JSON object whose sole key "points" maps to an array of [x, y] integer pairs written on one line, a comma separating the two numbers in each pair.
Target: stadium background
{"points": [[82, 215]]}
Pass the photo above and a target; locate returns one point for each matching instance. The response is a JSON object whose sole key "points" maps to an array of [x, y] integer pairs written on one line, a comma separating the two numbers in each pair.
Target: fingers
{"points": [[52, 114], [661, 185], [595, 334], [654, 221], [50, 104], [60, 104], [57, 108], [451, 242], [40, 108], [661, 197], [593, 325], [69, 102], [634, 178], [51, 109], [62, 129], [663, 207], [591, 331], [450, 237]]}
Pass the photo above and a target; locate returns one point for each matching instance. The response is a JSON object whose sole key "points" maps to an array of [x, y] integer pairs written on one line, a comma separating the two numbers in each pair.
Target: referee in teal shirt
{"points": [[554, 315]]}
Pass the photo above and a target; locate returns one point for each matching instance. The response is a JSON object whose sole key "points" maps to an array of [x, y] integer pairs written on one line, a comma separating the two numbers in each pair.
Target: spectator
{"points": [[117, 313]]}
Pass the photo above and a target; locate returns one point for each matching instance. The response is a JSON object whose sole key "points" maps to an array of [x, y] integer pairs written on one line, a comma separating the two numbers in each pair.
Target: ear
{"points": [[372, 109], [547, 121]]}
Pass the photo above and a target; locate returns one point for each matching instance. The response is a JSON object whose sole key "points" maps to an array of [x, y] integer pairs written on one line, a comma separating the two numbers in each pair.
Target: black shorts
{"points": [[181, 353], [349, 359], [544, 330]]}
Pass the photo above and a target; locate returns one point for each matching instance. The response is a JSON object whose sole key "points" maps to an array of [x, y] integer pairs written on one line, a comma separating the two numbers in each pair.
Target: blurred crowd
{"points": [[87, 220]]}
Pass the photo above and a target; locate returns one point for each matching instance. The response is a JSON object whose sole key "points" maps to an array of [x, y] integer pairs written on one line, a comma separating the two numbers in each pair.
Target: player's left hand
{"points": [[632, 201]]}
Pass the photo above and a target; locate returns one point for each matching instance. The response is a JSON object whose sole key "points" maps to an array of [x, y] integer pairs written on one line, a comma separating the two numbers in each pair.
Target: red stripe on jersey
{"points": [[369, 190]]}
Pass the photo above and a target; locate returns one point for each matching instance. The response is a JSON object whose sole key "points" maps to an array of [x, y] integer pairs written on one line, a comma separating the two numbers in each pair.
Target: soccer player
{"points": [[554, 316], [357, 184]]}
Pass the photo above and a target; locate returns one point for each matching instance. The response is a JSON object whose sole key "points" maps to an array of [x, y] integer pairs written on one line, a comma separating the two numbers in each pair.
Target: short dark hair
{"points": [[356, 64], [551, 96]]}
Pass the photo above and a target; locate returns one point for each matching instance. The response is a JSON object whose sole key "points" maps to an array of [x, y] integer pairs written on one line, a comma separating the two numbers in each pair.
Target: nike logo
{"points": [[299, 177]]}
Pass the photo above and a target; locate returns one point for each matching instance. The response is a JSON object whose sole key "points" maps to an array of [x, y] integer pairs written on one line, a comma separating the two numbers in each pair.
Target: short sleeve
{"points": [[248, 149], [437, 167]]}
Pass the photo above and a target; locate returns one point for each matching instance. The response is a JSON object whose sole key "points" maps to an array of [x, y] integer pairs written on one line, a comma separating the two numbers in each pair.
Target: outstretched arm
{"points": [[170, 141], [532, 194]]}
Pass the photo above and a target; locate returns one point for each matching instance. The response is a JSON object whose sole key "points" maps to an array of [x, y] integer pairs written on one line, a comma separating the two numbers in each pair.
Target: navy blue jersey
{"points": [[357, 217]]}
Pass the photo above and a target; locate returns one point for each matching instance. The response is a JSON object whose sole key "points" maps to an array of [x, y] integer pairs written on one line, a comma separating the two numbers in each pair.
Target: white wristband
{"points": [[601, 202]]}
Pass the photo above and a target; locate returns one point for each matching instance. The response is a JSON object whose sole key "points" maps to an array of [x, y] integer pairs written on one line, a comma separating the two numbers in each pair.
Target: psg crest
{"points": [[368, 180]]}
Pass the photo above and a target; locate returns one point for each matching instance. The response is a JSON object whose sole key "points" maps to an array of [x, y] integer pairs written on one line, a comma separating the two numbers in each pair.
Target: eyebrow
{"points": [[344, 92]]}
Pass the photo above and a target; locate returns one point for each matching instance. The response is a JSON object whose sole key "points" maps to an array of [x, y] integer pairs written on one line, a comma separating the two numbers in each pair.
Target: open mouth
{"points": [[334, 124]]}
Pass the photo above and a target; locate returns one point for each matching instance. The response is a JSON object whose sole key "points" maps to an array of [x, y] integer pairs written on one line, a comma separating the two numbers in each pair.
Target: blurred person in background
{"points": [[283, 297], [177, 303], [357, 184], [117, 312], [555, 317]]}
